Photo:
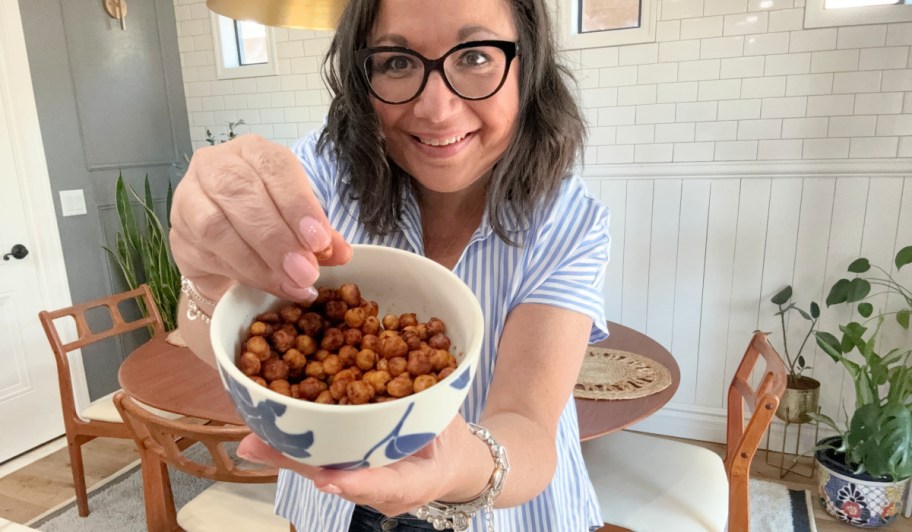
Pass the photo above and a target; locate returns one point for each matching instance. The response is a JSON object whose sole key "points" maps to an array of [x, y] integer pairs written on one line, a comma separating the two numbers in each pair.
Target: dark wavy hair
{"points": [[549, 132]]}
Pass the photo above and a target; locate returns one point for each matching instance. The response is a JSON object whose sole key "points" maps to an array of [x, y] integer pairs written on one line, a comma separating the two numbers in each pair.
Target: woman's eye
{"points": [[397, 63], [474, 58]]}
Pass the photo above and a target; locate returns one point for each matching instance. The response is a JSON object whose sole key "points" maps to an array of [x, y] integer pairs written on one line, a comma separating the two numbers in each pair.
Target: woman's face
{"points": [[443, 141]]}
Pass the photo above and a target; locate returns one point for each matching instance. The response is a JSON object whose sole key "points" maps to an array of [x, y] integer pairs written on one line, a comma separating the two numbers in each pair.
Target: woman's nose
{"points": [[436, 102]]}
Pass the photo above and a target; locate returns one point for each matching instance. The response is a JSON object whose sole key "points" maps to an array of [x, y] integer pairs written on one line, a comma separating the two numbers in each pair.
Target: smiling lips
{"points": [[442, 142]]}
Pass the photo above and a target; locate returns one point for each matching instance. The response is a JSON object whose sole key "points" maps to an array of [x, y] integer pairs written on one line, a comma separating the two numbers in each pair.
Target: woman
{"points": [[464, 158]]}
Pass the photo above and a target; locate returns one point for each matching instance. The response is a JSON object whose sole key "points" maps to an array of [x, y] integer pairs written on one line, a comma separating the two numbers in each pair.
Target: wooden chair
{"points": [[647, 484], [100, 419], [242, 498]]}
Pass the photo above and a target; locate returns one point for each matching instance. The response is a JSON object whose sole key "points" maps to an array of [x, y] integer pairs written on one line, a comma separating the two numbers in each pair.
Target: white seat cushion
{"points": [[9, 526], [103, 409], [231, 506], [650, 484]]}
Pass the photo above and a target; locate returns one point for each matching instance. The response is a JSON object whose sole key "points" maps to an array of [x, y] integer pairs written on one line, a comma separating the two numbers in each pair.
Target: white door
{"points": [[29, 397]]}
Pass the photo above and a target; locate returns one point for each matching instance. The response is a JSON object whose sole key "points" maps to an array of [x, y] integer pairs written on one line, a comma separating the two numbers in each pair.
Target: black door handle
{"points": [[18, 252]]}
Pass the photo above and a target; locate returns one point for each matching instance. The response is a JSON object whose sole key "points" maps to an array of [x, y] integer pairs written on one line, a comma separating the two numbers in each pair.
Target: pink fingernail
{"points": [[314, 234], [330, 488], [302, 295], [301, 271]]}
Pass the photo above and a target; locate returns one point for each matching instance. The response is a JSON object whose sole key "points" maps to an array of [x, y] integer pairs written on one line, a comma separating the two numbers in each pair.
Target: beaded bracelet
{"points": [[456, 516], [193, 296]]}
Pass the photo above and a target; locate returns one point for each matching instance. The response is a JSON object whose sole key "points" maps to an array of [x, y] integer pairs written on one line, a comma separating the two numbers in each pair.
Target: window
{"points": [[243, 49], [598, 23], [825, 13]]}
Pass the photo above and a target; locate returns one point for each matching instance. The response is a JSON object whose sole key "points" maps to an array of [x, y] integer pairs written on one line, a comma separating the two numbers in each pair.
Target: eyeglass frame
{"points": [[509, 48]]}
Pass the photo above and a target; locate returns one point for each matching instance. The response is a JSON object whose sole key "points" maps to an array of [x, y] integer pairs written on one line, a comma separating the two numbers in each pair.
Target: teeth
{"points": [[442, 142]]}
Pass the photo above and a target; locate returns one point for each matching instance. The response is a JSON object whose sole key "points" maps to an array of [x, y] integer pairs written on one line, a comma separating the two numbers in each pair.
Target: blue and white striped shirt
{"points": [[560, 261]]}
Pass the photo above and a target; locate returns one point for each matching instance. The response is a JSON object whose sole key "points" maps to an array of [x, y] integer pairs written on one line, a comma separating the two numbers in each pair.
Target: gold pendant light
{"points": [[305, 14]]}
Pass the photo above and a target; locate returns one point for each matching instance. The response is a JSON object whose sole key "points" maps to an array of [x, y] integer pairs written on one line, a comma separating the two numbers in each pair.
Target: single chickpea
{"points": [[407, 319], [335, 311], [440, 341], [352, 336], [295, 359], [291, 313], [284, 338], [281, 386], [359, 392], [269, 317], [325, 398], [418, 363], [310, 388], [422, 331], [370, 341], [350, 294], [423, 382], [259, 347], [365, 359], [445, 372], [311, 324], [390, 322], [354, 317], [305, 344], [393, 346], [371, 325], [321, 354], [249, 364], [259, 380], [435, 326], [348, 354], [383, 365], [440, 359], [315, 369], [324, 295], [401, 386], [397, 366], [259, 328], [370, 307], [377, 379], [412, 340], [275, 369], [332, 365], [332, 339]]}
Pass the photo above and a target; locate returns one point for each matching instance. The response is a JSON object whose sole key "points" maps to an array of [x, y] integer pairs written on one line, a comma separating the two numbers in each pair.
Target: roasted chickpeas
{"points": [[338, 350]]}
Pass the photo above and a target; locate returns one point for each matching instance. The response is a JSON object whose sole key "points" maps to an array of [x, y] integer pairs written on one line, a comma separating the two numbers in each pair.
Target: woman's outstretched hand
{"points": [[392, 490], [245, 212]]}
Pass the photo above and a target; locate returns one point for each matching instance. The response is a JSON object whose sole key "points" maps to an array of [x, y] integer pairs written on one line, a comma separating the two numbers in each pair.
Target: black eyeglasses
{"points": [[472, 70]]}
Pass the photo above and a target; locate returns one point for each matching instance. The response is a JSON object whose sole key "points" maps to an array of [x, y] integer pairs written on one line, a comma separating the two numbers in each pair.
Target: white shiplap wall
{"points": [[738, 153]]}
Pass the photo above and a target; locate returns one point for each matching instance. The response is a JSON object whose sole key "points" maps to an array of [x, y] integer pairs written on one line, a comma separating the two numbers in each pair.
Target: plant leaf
{"points": [[865, 309], [860, 265], [804, 314], [858, 289], [839, 293], [902, 318], [815, 310], [829, 344], [782, 296], [903, 257]]}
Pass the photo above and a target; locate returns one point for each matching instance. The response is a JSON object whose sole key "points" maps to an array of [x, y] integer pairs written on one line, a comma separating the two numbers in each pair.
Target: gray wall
{"points": [[109, 101]]}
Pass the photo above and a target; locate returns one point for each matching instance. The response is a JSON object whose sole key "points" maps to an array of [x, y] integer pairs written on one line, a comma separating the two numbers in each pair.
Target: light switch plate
{"points": [[72, 202]]}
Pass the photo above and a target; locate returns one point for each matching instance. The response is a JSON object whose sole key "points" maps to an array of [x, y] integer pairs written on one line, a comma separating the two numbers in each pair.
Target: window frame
{"points": [[816, 16], [565, 13], [224, 35]]}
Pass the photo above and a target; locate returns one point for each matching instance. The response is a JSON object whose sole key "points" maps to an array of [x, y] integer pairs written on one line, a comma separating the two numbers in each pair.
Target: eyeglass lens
{"points": [[474, 73]]}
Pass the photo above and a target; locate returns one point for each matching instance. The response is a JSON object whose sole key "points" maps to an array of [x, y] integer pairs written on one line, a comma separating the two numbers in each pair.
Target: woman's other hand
{"points": [[245, 212]]}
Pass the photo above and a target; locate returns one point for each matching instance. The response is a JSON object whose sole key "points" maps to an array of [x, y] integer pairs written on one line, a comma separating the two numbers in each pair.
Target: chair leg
{"points": [[159, 501], [74, 446]]}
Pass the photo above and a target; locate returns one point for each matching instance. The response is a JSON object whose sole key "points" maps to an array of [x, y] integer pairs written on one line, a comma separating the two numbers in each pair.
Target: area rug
{"points": [[117, 505]]}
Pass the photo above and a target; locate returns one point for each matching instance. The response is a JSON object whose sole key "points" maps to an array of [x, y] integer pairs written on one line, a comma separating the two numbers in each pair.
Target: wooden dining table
{"points": [[173, 379]]}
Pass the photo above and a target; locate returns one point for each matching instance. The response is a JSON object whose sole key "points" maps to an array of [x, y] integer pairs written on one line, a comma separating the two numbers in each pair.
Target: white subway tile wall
{"points": [[727, 80]]}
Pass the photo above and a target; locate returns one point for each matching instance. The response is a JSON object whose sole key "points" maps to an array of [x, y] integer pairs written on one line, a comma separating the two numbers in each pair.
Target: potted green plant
{"points": [[864, 471], [802, 393], [141, 249]]}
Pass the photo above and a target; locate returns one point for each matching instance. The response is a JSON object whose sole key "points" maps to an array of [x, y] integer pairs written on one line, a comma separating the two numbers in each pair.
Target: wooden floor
{"points": [[32, 490]]}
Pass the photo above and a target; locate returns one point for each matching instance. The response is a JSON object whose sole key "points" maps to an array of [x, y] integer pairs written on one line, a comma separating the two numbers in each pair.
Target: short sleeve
{"points": [[567, 265]]}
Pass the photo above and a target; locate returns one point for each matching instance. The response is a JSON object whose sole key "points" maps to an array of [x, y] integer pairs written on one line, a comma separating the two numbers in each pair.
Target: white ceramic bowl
{"points": [[356, 436]]}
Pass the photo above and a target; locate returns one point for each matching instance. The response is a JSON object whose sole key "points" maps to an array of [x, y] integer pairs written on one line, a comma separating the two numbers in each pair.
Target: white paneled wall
{"points": [[738, 153]]}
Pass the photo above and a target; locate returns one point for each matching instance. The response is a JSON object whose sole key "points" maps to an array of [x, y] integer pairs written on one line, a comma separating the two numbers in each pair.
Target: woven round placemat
{"points": [[615, 374]]}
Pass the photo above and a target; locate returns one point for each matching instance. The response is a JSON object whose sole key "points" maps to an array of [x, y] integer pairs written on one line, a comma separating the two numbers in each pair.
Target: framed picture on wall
{"points": [[600, 23]]}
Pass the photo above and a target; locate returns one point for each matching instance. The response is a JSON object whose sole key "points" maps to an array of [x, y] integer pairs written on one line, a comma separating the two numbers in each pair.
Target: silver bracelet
{"points": [[193, 296], [456, 516]]}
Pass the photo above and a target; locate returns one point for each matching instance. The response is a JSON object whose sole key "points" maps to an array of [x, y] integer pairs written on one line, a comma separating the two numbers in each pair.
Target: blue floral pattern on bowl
{"points": [[860, 503], [261, 418], [397, 446], [461, 380]]}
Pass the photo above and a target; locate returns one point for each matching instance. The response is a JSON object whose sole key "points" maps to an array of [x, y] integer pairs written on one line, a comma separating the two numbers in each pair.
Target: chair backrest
{"points": [[159, 436], [86, 336], [743, 439]]}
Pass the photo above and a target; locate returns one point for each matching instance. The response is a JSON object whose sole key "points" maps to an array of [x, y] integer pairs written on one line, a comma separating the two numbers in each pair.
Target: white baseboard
{"points": [[708, 424]]}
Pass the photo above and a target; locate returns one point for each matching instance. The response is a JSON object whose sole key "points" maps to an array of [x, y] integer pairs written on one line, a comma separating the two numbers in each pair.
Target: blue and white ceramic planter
{"points": [[859, 500]]}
